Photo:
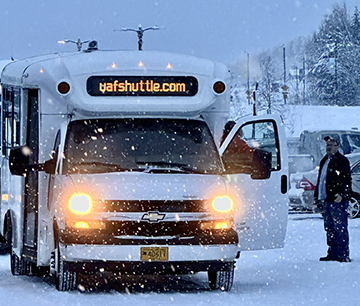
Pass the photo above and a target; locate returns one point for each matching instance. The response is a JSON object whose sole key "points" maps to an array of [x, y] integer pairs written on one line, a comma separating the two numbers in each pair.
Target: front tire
{"points": [[5, 245], [65, 280], [222, 280], [18, 266]]}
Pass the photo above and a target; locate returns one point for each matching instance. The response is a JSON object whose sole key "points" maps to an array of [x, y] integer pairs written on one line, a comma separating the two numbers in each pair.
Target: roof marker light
{"points": [[41, 70], [219, 87], [168, 66], [113, 65], [141, 64], [63, 88]]}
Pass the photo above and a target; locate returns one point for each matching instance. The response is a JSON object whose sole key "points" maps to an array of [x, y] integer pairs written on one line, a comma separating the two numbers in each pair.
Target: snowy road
{"points": [[289, 276]]}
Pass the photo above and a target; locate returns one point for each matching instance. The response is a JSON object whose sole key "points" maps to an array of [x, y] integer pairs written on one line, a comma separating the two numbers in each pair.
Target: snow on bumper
{"points": [[130, 253], [91, 259]]}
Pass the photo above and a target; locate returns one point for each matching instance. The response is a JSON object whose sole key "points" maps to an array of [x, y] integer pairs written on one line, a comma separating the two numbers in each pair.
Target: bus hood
{"points": [[143, 186]]}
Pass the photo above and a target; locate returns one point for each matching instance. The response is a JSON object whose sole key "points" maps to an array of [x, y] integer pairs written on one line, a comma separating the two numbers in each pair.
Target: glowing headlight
{"points": [[223, 204], [80, 204]]}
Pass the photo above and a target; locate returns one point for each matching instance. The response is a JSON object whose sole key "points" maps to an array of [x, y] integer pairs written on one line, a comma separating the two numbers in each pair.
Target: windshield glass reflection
{"points": [[167, 145]]}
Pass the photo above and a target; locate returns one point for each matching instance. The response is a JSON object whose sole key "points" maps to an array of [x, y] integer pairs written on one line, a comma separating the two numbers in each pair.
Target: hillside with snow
{"points": [[298, 118]]}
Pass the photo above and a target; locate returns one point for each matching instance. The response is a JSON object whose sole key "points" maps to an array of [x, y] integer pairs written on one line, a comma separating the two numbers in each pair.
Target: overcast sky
{"points": [[222, 30]]}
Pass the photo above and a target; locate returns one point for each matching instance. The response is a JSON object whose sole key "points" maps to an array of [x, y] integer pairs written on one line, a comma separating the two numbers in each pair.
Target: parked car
{"points": [[311, 142], [303, 184], [301, 192], [354, 207], [300, 163], [293, 145]]}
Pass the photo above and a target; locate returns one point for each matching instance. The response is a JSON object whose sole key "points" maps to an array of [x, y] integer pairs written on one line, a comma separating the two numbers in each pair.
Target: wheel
{"points": [[354, 207], [222, 280], [18, 266], [5, 241], [65, 280]]}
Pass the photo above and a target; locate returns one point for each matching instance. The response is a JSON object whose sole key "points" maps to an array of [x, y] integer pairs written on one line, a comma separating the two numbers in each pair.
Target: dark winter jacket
{"points": [[338, 177]]}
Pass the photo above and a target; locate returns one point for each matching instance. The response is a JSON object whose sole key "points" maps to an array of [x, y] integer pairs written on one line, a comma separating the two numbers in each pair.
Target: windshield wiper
{"points": [[156, 166], [95, 165]]}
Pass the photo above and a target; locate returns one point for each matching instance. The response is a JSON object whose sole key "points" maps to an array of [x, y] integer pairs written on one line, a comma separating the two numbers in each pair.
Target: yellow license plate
{"points": [[154, 253]]}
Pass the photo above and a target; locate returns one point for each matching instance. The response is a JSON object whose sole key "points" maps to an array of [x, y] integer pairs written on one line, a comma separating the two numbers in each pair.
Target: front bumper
{"points": [[98, 237], [125, 259]]}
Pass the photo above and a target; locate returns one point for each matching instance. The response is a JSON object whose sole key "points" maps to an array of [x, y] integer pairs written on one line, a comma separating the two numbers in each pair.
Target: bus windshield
{"points": [[156, 145]]}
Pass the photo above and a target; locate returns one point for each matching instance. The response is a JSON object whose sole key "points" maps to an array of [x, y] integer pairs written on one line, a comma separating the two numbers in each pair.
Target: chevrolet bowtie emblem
{"points": [[153, 216]]}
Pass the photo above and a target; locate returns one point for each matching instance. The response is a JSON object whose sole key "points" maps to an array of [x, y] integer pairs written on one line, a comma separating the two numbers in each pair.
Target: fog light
{"points": [[216, 224], [81, 224], [88, 224]]}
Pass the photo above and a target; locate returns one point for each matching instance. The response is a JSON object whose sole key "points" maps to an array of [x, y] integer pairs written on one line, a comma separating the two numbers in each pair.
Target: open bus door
{"points": [[255, 158]]}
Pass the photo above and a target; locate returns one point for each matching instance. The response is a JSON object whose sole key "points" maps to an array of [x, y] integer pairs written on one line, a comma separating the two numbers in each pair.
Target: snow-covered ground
{"points": [[289, 276]]}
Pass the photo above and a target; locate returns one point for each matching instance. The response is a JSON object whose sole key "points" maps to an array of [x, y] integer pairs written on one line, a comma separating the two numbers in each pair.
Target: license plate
{"points": [[154, 253]]}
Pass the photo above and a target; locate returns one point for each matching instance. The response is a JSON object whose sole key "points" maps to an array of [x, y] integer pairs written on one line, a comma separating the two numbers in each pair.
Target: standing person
{"points": [[227, 128], [333, 189]]}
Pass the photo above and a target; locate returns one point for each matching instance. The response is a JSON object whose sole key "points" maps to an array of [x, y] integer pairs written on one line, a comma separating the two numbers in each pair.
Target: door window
{"points": [[253, 149]]}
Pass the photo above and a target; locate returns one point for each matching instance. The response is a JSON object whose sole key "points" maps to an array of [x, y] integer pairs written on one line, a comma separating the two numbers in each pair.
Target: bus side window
{"points": [[11, 119]]}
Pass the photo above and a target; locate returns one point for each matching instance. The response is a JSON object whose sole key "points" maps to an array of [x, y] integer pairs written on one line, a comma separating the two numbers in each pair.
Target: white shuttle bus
{"points": [[111, 165]]}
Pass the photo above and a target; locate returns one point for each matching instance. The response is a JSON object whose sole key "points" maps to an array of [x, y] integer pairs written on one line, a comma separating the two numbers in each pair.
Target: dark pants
{"points": [[336, 227]]}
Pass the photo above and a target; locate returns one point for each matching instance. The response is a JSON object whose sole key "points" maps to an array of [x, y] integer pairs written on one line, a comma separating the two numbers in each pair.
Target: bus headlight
{"points": [[223, 204], [80, 204]]}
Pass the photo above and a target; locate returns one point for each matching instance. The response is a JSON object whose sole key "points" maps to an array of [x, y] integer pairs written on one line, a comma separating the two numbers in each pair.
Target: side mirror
{"points": [[19, 160], [255, 162], [261, 166], [50, 166]]}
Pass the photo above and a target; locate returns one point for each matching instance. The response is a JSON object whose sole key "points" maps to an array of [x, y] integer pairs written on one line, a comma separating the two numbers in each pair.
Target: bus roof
{"points": [[78, 68], [98, 61]]}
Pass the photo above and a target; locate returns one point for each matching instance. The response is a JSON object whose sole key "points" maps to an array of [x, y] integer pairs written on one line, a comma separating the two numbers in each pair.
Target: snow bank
{"points": [[300, 118]]}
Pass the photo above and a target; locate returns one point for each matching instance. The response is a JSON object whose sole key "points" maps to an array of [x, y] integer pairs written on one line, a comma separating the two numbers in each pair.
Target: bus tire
{"points": [[18, 266], [65, 280], [5, 247], [222, 280]]}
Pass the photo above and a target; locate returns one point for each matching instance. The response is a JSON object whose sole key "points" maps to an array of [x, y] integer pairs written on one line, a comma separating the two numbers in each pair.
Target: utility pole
{"points": [[248, 93], [284, 87], [140, 32], [304, 82], [254, 98]]}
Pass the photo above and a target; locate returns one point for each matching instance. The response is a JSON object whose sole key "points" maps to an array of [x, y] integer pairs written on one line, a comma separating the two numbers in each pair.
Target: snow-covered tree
{"points": [[331, 58], [269, 84]]}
